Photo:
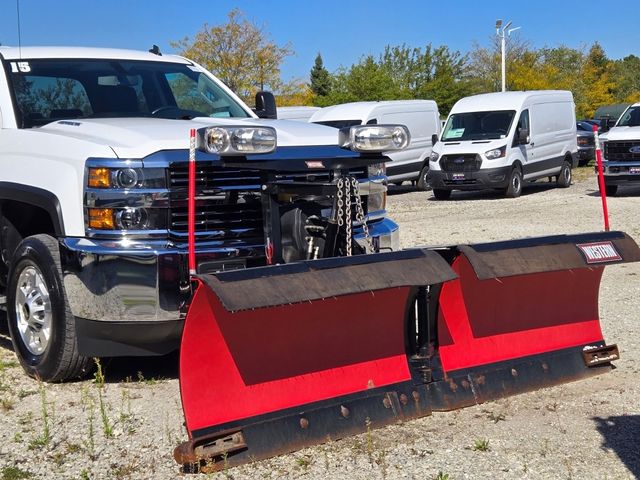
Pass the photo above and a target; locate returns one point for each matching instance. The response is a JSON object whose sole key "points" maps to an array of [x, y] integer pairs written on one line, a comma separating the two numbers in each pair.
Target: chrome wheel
{"points": [[33, 310]]}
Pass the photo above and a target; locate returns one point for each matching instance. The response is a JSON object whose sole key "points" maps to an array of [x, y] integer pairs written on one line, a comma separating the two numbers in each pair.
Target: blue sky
{"points": [[342, 31]]}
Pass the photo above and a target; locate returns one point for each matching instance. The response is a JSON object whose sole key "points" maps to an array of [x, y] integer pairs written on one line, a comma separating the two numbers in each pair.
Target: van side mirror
{"points": [[434, 139], [265, 105], [523, 136]]}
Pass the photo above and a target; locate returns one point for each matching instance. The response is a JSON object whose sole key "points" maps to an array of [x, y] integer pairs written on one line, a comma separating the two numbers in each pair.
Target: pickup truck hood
{"points": [[621, 133], [140, 137]]}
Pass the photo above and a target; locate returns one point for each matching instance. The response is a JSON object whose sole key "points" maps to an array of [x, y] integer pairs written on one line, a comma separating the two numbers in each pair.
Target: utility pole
{"points": [[502, 32]]}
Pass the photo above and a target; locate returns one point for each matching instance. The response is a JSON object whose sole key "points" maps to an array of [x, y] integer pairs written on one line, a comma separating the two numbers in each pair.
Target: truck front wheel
{"points": [[41, 325]]}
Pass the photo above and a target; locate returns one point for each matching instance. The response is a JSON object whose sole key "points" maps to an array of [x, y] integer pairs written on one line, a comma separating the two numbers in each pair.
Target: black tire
{"points": [[440, 194], [514, 189], [37, 260], [563, 180], [422, 179], [611, 190]]}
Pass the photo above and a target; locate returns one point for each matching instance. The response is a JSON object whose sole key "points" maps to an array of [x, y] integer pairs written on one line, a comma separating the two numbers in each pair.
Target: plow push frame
{"points": [[277, 358]]}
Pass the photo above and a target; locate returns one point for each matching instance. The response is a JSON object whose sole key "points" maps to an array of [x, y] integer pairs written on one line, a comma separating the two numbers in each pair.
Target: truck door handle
{"points": [[532, 144]]}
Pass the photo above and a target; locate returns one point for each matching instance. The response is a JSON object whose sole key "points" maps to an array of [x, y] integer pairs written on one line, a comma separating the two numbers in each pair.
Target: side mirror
{"points": [[523, 136], [607, 124], [265, 105], [434, 139]]}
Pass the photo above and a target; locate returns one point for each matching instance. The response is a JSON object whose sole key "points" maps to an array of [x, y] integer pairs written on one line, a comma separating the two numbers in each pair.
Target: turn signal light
{"points": [[99, 178], [101, 218]]}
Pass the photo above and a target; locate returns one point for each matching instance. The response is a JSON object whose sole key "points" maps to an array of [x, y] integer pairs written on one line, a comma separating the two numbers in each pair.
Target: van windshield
{"points": [[478, 125], [630, 118], [54, 89]]}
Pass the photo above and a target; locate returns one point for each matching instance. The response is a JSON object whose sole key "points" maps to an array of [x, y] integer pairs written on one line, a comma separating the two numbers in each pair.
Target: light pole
{"points": [[502, 32]]}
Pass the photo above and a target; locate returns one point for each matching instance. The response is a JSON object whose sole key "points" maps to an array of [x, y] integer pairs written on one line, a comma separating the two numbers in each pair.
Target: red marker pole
{"points": [[191, 203], [603, 193]]}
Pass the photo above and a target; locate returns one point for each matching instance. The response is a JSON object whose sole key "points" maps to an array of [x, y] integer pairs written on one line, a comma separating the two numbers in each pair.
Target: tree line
{"points": [[242, 54]]}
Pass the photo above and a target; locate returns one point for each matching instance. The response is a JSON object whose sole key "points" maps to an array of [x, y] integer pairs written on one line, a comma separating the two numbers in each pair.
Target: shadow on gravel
{"points": [[622, 435], [529, 189], [622, 192], [142, 369]]}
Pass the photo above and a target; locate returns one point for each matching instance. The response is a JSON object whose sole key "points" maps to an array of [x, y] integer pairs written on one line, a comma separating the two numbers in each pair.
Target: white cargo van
{"points": [[499, 140], [299, 113], [420, 116]]}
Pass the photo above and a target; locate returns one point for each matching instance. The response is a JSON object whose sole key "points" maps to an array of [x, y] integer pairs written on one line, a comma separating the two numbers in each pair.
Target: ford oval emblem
{"points": [[635, 149]]}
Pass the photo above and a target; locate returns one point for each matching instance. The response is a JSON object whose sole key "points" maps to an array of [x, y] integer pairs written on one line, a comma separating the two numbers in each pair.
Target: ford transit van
{"points": [[421, 118], [500, 140]]}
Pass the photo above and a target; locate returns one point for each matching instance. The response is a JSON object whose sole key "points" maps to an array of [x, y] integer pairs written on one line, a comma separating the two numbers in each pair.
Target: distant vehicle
{"points": [[301, 113], [608, 115], [499, 140], [420, 116], [621, 151], [586, 142]]}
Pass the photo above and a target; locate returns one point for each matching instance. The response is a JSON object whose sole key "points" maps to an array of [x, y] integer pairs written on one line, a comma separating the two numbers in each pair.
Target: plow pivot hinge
{"points": [[205, 448]]}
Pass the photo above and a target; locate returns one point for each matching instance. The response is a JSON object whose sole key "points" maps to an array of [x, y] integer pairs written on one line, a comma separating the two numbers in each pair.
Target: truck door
{"points": [[526, 148]]}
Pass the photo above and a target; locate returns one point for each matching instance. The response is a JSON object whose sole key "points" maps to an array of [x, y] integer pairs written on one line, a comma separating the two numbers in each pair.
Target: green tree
{"points": [[320, 78], [596, 83], [239, 52], [626, 73]]}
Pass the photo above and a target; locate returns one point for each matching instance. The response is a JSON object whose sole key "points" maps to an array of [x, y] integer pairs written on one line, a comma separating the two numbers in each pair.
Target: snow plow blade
{"points": [[277, 358]]}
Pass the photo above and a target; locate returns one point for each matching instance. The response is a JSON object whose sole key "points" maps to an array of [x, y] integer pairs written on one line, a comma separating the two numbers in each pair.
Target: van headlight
{"points": [[237, 140], [496, 153], [374, 138]]}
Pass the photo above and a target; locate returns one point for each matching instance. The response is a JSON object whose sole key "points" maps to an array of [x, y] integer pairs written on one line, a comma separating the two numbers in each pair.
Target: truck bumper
{"points": [[478, 180], [621, 173], [130, 298]]}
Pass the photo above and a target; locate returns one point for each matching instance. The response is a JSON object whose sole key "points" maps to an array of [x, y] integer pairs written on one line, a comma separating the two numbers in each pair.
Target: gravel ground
{"points": [[127, 426]]}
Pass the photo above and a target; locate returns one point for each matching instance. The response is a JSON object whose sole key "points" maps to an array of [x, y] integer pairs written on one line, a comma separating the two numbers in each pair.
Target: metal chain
{"points": [[340, 194], [348, 222], [360, 214]]}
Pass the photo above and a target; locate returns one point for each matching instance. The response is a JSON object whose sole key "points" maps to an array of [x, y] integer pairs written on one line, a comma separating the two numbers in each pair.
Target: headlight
{"points": [[496, 153], [434, 157], [374, 138], [126, 177], [583, 141], [237, 140], [129, 218]]}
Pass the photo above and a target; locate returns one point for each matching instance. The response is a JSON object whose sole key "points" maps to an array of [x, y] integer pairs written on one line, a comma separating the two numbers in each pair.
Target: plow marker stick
{"points": [[603, 193], [191, 203]]}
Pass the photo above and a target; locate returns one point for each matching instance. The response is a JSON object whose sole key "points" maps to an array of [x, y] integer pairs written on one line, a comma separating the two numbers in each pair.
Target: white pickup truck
{"points": [[93, 197]]}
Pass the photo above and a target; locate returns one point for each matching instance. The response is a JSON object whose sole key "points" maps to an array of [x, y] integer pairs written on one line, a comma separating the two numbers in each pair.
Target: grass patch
{"points": [[582, 174], [14, 473], [481, 445]]}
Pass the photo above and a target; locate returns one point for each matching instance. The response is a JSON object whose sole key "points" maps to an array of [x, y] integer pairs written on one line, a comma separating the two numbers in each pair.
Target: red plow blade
{"points": [[277, 358]]}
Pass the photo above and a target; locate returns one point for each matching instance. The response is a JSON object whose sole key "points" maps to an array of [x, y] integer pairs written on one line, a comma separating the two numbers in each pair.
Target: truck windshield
{"points": [[478, 125], [50, 89], [630, 118]]}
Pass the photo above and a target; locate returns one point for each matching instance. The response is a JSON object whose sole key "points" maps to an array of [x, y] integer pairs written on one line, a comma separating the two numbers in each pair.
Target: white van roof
{"points": [[363, 110], [508, 100], [296, 112]]}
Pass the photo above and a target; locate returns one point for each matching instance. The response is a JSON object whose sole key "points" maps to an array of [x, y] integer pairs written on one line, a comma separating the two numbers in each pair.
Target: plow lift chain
{"points": [[347, 191]]}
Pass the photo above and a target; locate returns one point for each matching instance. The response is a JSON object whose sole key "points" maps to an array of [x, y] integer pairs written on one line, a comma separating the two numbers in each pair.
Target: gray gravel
{"points": [[586, 429]]}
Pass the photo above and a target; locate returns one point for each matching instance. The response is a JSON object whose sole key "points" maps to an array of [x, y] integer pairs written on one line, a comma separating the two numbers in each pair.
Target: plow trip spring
{"points": [[277, 358]]}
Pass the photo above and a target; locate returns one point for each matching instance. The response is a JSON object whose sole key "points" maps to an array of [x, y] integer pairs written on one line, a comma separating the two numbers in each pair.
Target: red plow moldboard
{"points": [[277, 358]]}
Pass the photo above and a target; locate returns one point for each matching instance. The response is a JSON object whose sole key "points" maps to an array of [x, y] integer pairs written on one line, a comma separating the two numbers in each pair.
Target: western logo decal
{"points": [[599, 252]]}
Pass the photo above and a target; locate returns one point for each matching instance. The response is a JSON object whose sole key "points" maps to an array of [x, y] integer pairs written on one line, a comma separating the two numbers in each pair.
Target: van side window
{"points": [[523, 123]]}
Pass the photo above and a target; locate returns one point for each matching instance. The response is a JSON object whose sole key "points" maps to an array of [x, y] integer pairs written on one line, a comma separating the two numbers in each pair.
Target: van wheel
{"points": [[440, 194], [563, 180], [41, 325], [514, 189], [422, 179], [610, 190]]}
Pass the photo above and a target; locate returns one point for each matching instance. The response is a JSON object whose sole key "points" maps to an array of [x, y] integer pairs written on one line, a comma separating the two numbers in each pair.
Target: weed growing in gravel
{"points": [[6, 404], [45, 438], [6, 364], [90, 443], [14, 473], [441, 476], [26, 393], [481, 445], [367, 423], [107, 427], [84, 475]]}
